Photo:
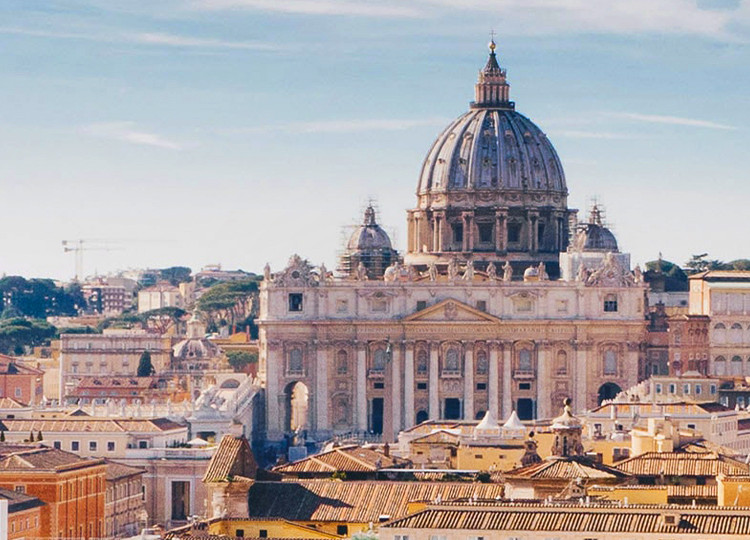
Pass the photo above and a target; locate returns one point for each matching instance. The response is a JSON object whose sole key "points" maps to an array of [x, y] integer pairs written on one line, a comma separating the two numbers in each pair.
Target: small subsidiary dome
{"points": [[594, 236]]}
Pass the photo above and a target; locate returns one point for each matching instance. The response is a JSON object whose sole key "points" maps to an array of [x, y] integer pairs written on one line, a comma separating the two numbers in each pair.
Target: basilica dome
{"points": [[594, 236], [492, 149], [492, 187]]}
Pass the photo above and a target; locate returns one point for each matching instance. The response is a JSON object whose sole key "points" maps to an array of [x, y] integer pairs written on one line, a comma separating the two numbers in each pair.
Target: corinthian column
{"points": [[494, 380], [409, 385], [433, 383], [469, 382], [361, 389]]}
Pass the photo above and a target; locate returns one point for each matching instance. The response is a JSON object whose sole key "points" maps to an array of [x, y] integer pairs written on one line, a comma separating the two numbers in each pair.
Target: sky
{"points": [[240, 132]]}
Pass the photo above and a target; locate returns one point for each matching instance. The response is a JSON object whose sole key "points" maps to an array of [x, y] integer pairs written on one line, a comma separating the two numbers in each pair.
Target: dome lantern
{"points": [[492, 89]]}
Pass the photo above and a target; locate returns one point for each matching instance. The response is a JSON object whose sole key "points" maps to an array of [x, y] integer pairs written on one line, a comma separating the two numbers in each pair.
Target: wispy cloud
{"points": [[129, 132], [363, 8], [580, 134], [144, 38], [345, 126], [671, 120]]}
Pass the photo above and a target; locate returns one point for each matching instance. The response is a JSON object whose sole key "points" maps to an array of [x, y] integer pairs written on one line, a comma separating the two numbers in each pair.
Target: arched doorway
{"points": [[297, 405], [421, 416], [608, 391]]}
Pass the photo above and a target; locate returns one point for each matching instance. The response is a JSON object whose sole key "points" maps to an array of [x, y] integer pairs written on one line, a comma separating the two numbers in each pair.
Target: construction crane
{"points": [[81, 245]]}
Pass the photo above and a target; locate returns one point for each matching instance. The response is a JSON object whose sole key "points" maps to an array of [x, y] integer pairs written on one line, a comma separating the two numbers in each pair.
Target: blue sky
{"points": [[241, 131]]}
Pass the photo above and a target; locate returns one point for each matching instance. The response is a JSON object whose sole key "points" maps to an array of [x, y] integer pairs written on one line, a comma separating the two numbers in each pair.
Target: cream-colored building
{"points": [[724, 295], [115, 352], [503, 301]]}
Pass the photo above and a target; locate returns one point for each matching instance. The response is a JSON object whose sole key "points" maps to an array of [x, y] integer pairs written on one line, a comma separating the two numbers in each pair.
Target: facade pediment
{"points": [[450, 310]]}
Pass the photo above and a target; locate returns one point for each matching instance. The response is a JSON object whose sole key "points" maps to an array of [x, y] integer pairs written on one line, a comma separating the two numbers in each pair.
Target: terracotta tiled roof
{"points": [[233, 458], [569, 468], [345, 459], [699, 492], [9, 366], [354, 502], [10, 403], [605, 519], [44, 458], [116, 471], [682, 464], [438, 437], [88, 424]]}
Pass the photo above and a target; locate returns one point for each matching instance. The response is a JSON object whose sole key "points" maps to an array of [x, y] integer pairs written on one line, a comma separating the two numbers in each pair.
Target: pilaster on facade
{"points": [[360, 389], [494, 382]]}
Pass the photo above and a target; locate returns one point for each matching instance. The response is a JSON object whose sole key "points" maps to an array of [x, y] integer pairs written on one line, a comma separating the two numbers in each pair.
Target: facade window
{"points": [[400, 537], [342, 363], [672, 388], [713, 389], [485, 232], [18, 392], [19, 489], [142, 444], [720, 366], [379, 360], [561, 363], [458, 233], [736, 366], [610, 303], [686, 389], [698, 389], [92, 446], [295, 364], [295, 301], [57, 445], [482, 364], [342, 530], [658, 388], [75, 446], [610, 362], [514, 233], [524, 360], [452, 362], [482, 305], [421, 304], [741, 401], [422, 363], [110, 446]]}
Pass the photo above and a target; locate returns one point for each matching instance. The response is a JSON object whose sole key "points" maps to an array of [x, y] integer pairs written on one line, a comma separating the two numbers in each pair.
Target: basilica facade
{"points": [[503, 301]]}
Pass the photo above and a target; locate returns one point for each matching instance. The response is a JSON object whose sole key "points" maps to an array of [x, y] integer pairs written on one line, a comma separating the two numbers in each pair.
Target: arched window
{"points": [[342, 362], [720, 366], [422, 363], [610, 362], [720, 335], [451, 361], [735, 333], [295, 364], [561, 363], [378, 360], [524, 360], [736, 366], [482, 364]]}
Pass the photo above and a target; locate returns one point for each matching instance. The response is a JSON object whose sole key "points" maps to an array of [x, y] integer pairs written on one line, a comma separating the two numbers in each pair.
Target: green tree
{"points": [[241, 359], [145, 367], [163, 318], [176, 274], [740, 264], [230, 302], [18, 333], [674, 277]]}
